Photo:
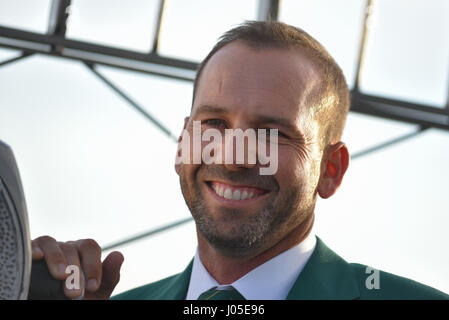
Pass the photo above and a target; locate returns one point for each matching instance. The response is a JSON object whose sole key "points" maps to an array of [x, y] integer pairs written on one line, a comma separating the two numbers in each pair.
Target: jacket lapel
{"points": [[176, 288], [326, 276]]}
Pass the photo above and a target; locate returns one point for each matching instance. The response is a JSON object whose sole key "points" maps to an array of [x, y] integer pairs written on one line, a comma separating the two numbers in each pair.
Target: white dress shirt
{"points": [[271, 280]]}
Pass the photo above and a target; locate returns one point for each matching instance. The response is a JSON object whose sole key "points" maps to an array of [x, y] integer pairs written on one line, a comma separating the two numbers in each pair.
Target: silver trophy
{"points": [[15, 244]]}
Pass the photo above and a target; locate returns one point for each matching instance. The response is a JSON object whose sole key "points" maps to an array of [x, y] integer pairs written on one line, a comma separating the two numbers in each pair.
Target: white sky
{"points": [[93, 167]]}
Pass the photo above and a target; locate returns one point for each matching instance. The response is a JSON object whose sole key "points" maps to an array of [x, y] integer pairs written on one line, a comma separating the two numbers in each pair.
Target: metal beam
{"points": [[447, 97], [23, 55], [58, 17], [149, 64], [388, 143], [426, 116], [268, 10], [57, 40], [154, 64], [357, 96], [134, 104], [145, 234], [157, 28], [57, 22], [362, 46]]}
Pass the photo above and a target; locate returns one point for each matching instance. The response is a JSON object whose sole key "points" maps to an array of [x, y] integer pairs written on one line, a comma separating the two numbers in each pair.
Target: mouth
{"points": [[231, 194]]}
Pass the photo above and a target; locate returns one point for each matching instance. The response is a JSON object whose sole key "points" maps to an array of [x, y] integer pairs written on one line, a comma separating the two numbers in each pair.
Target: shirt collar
{"points": [[271, 280]]}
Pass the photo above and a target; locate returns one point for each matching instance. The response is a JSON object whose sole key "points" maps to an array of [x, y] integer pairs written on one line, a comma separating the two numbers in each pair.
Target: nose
{"points": [[240, 148]]}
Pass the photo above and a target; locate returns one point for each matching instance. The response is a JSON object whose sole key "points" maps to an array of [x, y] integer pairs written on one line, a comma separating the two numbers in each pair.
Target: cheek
{"points": [[294, 171], [188, 171], [188, 181], [289, 171]]}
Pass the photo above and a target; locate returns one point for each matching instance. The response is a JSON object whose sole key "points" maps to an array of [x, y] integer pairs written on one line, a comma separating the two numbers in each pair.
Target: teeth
{"points": [[228, 194]]}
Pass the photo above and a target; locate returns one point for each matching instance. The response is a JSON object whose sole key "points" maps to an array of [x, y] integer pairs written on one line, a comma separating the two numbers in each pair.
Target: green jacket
{"points": [[325, 276]]}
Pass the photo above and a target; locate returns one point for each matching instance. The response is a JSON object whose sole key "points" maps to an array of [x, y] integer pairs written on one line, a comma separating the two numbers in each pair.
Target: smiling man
{"points": [[254, 231]]}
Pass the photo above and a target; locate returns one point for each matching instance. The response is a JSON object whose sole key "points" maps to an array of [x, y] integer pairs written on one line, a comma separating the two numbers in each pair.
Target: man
{"points": [[260, 75]]}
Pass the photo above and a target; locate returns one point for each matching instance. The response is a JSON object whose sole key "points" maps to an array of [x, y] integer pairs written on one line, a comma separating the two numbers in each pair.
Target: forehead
{"points": [[268, 81]]}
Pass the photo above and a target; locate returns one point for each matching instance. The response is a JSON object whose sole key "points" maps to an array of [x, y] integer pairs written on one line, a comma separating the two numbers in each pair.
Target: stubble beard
{"points": [[248, 236]]}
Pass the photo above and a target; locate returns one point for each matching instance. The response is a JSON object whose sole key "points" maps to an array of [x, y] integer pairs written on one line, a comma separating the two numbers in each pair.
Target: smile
{"points": [[235, 193]]}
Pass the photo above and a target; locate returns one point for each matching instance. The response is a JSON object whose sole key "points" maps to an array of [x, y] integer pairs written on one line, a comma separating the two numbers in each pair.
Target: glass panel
{"points": [[128, 25], [91, 166], [26, 15], [391, 210], [363, 131], [337, 25], [407, 51], [191, 28], [167, 100], [6, 54]]}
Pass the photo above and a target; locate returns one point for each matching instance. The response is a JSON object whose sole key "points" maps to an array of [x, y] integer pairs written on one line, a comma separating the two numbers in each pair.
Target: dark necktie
{"points": [[214, 294]]}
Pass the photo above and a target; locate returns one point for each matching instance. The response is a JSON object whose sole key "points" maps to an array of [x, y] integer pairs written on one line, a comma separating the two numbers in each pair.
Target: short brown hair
{"points": [[330, 99]]}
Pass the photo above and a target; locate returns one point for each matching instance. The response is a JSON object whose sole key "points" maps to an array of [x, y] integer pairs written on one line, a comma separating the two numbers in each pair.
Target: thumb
{"points": [[110, 276]]}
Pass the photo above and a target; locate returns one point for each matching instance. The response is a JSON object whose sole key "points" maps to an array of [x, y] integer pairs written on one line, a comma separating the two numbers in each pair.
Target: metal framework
{"points": [[55, 43], [423, 115]]}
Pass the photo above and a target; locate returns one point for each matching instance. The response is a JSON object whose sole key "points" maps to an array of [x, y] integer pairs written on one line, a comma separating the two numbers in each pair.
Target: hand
{"points": [[100, 278]]}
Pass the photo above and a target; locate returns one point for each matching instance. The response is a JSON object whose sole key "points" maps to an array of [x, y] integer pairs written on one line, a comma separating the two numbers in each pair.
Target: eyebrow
{"points": [[281, 122], [204, 108]]}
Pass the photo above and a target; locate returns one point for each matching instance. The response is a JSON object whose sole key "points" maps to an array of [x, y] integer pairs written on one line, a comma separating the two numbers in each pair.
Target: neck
{"points": [[226, 269]]}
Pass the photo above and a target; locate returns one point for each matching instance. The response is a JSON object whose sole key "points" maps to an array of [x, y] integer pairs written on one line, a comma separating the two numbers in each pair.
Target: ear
{"points": [[178, 152], [334, 168]]}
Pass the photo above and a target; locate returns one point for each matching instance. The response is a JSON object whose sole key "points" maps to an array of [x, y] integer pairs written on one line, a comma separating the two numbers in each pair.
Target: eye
{"points": [[280, 133], [214, 122]]}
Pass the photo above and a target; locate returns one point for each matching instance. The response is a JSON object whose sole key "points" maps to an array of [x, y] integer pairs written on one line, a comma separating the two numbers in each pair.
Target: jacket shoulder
{"points": [[380, 285], [149, 291], [171, 288]]}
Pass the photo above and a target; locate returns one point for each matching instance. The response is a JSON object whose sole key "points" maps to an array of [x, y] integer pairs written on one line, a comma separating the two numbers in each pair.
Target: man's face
{"points": [[261, 89]]}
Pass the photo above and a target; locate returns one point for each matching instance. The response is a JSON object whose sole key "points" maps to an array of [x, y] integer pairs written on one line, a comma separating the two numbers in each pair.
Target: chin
{"points": [[235, 246]]}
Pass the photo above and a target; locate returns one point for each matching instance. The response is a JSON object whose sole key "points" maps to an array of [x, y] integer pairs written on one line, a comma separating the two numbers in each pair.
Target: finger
{"points": [[37, 253], [55, 259], [90, 254], [74, 285], [111, 275]]}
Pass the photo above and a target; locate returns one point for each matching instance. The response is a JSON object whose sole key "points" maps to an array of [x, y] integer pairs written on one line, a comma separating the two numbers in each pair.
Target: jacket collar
{"points": [[176, 288], [326, 276]]}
